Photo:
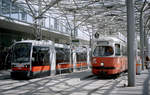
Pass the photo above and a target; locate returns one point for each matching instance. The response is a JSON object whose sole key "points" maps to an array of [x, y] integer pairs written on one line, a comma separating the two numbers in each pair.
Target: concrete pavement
{"points": [[77, 83]]}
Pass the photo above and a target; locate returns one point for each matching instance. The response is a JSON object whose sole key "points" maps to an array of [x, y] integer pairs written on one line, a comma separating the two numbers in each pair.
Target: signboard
{"points": [[102, 42], [75, 41]]}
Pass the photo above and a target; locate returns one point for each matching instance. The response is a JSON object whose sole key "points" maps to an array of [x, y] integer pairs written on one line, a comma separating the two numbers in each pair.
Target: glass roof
{"points": [[103, 16]]}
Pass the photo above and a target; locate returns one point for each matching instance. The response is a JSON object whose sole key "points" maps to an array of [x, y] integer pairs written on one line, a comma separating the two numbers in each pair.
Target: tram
{"points": [[109, 55], [31, 58]]}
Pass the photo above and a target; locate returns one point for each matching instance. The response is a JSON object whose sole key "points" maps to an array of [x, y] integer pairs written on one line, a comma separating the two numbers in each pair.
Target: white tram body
{"points": [[31, 57]]}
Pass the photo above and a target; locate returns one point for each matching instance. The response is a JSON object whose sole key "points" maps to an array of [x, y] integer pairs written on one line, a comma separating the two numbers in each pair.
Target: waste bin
{"points": [[138, 66]]}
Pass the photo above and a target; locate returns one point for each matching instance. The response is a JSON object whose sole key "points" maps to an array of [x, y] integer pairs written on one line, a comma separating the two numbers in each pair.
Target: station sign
{"points": [[75, 41]]}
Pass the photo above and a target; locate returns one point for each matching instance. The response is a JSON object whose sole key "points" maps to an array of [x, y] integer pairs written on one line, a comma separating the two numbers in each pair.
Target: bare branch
{"points": [[51, 4], [13, 1], [33, 14]]}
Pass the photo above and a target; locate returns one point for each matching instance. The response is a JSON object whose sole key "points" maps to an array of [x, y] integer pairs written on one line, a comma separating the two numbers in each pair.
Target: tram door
{"points": [[40, 60]]}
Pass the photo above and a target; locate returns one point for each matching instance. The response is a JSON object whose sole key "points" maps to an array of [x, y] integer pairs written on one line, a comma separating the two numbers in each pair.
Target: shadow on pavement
{"points": [[146, 85]]}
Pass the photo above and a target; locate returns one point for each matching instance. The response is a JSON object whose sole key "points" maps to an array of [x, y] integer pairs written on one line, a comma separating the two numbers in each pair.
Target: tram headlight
{"points": [[102, 64], [26, 66]]}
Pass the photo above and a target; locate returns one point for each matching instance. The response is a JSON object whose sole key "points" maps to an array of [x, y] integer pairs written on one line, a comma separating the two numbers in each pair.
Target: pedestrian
{"points": [[147, 62]]}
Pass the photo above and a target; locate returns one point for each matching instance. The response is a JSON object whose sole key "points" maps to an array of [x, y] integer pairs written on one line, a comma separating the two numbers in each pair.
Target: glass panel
{"points": [[124, 50], [81, 56], [103, 51], [59, 55], [0, 6], [58, 25], [55, 23], [5, 8], [76, 32], [22, 15], [29, 18], [21, 52], [40, 56], [67, 29], [117, 49], [52, 23], [43, 22], [47, 22], [61, 27], [14, 12], [67, 55], [62, 55]]}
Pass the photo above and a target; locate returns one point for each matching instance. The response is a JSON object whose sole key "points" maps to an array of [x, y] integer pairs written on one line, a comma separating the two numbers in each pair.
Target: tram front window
{"points": [[103, 51], [21, 52]]}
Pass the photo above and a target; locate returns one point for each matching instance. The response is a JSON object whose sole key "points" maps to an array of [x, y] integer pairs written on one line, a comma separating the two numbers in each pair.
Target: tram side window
{"points": [[85, 56], [117, 49], [81, 56], [67, 55], [59, 55], [40, 56], [78, 56], [124, 51]]}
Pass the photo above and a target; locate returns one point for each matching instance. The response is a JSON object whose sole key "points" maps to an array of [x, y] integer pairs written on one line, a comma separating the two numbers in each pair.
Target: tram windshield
{"points": [[21, 52], [103, 51]]}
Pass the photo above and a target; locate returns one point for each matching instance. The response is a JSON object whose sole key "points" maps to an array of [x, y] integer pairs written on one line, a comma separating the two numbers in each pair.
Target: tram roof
{"points": [[62, 45], [111, 38], [37, 43]]}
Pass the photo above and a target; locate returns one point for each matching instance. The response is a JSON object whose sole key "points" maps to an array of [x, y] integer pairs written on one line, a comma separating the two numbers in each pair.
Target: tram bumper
{"points": [[102, 73], [20, 74]]}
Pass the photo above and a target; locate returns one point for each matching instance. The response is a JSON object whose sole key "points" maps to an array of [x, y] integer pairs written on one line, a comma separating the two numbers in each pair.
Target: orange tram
{"points": [[109, 55], [31, 58]]}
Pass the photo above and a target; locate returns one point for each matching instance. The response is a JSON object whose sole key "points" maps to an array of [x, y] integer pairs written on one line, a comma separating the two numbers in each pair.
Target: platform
{"points": [[77, 83]]}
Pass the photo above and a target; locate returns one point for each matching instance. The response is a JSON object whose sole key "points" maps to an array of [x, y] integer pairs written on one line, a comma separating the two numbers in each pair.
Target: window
{"points": [[23, 15], [14, 12], [124, 51], [21, 52], [67, 28], [0, 6], [55, 23], [117, 50], [5, 8], [47, 22], [62, 55], [40, 56], [29, 18], [81, 56], [43, 22], [103, 51]]}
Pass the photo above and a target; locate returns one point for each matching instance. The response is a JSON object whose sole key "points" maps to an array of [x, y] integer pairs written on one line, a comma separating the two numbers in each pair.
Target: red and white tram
{"points": [[109, 55]]}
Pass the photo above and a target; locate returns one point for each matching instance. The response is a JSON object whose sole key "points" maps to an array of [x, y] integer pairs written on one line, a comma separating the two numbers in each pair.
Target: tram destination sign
{"points": [[102, 42]]}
